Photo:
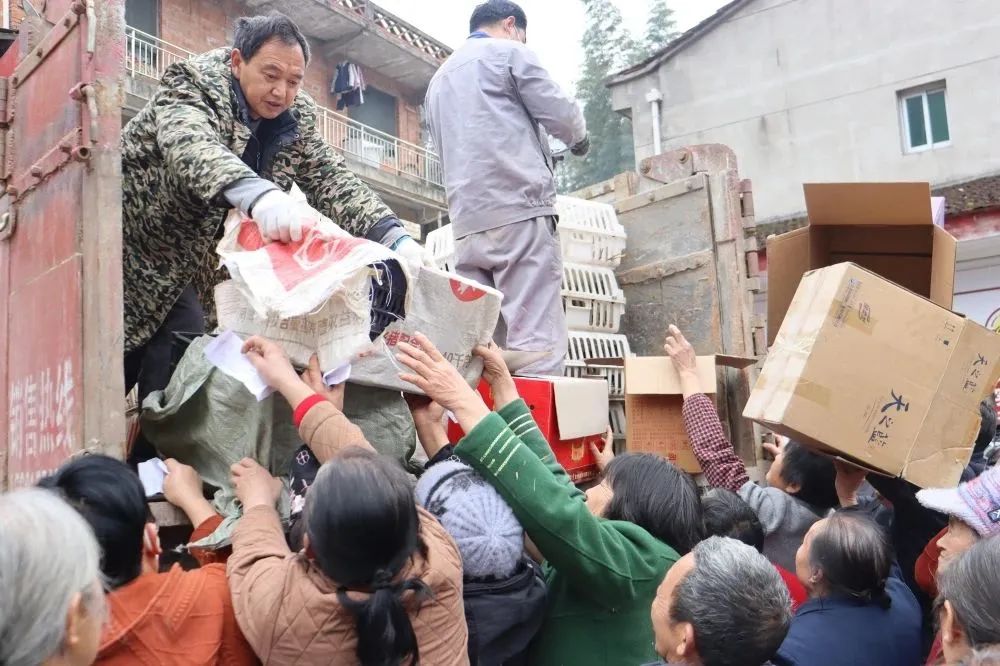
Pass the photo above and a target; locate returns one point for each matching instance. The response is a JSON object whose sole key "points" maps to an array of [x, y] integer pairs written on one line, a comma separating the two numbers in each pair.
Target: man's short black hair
{"points": [[495, 11], [728, 515], [988, 424], [252, 32], [813, 473]]}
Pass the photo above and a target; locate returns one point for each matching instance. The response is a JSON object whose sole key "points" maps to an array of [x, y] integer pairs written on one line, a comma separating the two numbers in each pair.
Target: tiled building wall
{"points": [[196, 25]]}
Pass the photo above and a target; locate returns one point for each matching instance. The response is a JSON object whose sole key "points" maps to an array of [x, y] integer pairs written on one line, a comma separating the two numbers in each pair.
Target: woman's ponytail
{"points": [[385, 633], [364, 530]]}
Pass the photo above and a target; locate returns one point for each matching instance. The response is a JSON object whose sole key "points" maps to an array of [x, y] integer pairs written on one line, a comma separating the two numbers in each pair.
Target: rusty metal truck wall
{"points": [[691, 260], [60, 238]]}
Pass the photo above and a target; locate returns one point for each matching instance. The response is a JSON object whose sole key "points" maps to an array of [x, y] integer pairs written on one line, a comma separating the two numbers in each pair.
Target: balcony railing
{"points": [[379, 149], [396, 27], [148, 57]]}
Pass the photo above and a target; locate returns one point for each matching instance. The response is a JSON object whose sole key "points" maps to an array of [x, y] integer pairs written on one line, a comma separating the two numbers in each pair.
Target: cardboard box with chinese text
{"points": [[888, 228], [871, 372], [571, 413], [654, 402]]}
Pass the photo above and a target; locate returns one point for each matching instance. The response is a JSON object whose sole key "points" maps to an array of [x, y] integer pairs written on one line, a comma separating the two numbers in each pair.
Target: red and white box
{"points": [[571, 414]]}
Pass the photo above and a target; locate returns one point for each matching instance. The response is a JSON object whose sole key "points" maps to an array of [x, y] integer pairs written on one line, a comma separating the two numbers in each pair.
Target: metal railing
{"points": [[396, 28], [148, 57], [379, 149]]}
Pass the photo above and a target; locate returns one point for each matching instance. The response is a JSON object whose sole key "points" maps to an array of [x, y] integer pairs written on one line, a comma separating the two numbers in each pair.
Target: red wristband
{"points": [[304, 407]]}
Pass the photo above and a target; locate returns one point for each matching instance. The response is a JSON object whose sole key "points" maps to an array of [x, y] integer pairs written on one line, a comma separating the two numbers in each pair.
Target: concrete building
{"points": [[840, 90], [382, 139]]}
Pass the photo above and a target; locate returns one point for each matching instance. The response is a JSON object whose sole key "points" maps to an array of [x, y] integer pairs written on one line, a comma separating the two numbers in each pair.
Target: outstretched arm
{"points": [[316, 408], [719, 462], [605, 560], [515, 412]]}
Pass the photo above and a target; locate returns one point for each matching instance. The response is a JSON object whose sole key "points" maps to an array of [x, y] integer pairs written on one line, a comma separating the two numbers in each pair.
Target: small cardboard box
{"points": [[868, 371], [654, 402], [570, 412], [888, 228], [456, 313]]}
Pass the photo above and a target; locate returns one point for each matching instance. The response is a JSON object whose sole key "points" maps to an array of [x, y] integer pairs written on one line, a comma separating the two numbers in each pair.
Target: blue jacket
{"points": [[836, 631]]}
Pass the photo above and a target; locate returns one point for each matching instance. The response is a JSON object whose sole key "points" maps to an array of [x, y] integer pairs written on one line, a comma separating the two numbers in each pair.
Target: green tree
{"points": [[661, 28], [607, 46]]}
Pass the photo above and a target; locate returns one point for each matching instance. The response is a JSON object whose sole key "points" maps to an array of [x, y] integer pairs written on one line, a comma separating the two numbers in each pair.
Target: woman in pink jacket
{"points": [[378, 580]]}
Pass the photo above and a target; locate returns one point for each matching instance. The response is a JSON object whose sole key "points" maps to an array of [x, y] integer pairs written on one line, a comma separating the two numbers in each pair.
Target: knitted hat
{"points": [[976, 502], [488, 535]]}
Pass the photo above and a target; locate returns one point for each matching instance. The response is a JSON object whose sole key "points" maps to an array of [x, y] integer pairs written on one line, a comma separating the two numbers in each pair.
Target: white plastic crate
{"points": [[441, 243], [589, 232], [584, 346], [616, 417], [592, 299]]}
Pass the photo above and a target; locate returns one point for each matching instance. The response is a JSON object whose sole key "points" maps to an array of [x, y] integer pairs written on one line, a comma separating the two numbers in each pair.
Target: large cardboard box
{"points": [[456, 313], [888, 228], [654, 402], [570, 412], [868, 371]]}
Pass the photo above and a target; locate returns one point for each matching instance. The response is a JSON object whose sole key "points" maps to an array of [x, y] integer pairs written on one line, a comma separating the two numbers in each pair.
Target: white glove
{"points": [[279, 217], [415, 253]]}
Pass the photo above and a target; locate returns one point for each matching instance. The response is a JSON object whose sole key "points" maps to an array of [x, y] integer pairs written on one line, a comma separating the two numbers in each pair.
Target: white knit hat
{"points": [[976, 502], [488, 535]]}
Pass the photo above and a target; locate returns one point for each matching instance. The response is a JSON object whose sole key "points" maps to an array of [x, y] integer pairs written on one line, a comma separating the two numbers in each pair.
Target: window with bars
{"points": [[924, 118]]}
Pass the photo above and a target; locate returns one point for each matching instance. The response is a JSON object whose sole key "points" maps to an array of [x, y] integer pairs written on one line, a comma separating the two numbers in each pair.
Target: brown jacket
{"points": [[288, 608], [175, 618]]}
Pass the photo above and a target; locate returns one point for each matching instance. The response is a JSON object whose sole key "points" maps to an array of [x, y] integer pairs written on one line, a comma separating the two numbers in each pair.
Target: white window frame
{"points": [[904, 117]]}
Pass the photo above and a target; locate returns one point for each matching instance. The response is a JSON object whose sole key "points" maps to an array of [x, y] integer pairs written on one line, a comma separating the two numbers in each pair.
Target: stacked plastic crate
{"points": [[592, 246]]}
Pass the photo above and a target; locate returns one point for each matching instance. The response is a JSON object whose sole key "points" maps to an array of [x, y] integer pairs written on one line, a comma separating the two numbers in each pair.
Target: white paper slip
{"points": [[151, 474], [338, 375], [226, 353]]}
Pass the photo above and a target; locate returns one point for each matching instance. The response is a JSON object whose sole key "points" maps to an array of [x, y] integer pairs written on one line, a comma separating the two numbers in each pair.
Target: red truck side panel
{"points": [[60, 254]]}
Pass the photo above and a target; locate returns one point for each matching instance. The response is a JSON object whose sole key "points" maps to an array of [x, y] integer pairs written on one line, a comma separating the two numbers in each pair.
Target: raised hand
{"points": [[433, 374], [254, 485]]}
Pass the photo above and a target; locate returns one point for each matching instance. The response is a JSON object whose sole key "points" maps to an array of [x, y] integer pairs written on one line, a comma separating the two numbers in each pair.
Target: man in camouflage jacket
{"points": [[229, 128]]}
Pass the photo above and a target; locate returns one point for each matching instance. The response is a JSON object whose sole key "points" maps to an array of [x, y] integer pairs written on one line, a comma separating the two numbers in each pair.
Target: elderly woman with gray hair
{"points": [[51, 597], [968, 606]]}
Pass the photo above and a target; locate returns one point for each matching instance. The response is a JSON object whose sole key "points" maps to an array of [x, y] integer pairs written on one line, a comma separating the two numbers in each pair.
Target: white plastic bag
{"points": [[310, 296], [291, 279]]}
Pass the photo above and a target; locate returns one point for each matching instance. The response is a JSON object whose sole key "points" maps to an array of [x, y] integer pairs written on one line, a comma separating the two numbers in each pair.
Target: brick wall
{"points": [[16, 13], [197, 25], [409, 123], [318, 78]]}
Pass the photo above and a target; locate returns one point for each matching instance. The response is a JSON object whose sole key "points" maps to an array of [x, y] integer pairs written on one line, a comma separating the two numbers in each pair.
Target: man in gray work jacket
{"points": [[488, 109]]}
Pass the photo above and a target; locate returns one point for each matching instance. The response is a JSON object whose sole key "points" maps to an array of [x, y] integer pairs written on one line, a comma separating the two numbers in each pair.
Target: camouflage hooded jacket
{"points": [[179, 155]]}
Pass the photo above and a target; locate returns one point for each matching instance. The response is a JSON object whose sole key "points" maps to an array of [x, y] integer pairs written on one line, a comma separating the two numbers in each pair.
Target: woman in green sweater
{"points": [[602, 571]]}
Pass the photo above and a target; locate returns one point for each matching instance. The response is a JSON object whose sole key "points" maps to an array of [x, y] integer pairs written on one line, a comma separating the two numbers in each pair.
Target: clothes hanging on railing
{"points": [[349, 83]]}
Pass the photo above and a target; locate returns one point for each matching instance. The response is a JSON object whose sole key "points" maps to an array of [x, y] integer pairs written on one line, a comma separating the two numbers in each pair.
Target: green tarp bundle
{"points": [[208, 420]]}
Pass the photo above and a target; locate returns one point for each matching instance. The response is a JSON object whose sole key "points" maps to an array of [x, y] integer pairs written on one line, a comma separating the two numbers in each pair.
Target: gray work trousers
{"points": [[524, 262]]}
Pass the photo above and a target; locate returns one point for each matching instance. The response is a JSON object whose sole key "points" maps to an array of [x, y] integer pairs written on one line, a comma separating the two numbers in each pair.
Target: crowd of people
{"points": [[493, 556]]}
